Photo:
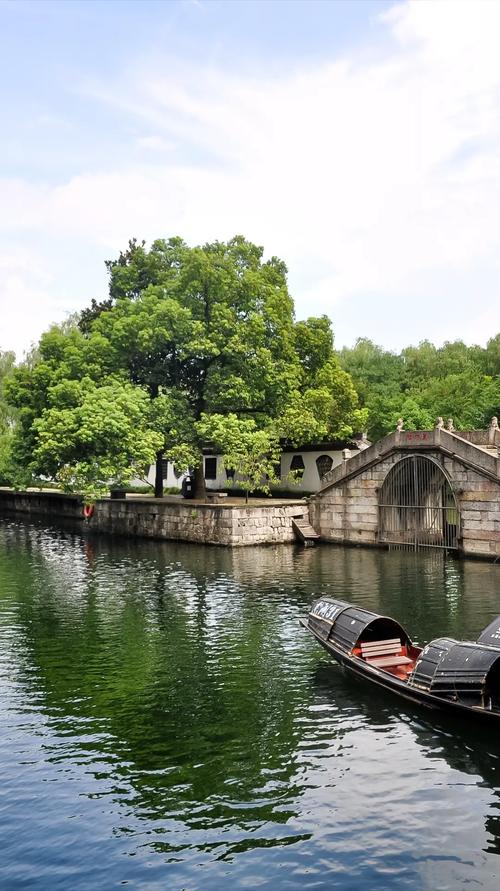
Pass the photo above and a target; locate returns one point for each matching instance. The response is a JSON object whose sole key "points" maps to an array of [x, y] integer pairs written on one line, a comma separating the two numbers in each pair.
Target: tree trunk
{"points": [[199, 482], [159, 475]]}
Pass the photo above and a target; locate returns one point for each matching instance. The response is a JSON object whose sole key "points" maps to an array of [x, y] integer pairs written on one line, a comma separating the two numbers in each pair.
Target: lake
{"points": [[166, 723]]}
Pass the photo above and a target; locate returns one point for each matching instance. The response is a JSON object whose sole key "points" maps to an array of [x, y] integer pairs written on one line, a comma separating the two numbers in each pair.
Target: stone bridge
{"points": [[423, 488]]}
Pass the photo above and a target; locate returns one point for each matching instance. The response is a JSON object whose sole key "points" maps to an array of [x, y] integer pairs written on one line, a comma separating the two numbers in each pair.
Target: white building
{"points": [[310, 462]]}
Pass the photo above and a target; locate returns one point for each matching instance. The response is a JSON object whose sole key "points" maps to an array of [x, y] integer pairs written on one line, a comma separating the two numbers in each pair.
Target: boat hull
{"points": [[389, 682]]}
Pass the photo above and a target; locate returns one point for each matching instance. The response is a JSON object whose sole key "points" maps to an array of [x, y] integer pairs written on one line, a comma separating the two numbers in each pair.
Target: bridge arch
{"points": [[417, 505]]}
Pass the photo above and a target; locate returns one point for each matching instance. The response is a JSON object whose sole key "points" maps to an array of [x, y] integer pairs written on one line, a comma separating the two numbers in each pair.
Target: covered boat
{"points": [[457, 675]]}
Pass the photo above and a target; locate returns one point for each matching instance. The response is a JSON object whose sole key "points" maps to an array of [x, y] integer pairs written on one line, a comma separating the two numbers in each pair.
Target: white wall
{"points": [[170, 480], [310, 481]]}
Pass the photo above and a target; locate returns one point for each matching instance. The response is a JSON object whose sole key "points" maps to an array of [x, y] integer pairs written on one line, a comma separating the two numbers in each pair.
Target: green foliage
{"points": [[314, 343], [94, 436], [5, 458], [491, 357], [194, 333], [470, 401], [453, 381], [210, 331], [326, 405], [251, 452], [198, 345], [7, 419], [385, 412]]}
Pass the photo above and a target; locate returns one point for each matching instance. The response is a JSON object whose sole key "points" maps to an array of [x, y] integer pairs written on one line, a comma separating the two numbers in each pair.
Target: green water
{"points": [[167, 724]]}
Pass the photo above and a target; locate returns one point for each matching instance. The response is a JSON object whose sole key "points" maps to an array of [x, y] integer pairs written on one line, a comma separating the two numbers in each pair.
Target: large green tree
{"points": [[210, 330], [207, 332], [94, 437]]}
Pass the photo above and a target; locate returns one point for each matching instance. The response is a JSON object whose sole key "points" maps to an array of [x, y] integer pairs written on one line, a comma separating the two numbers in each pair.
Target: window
{"points": [[298, 466], [230, 473], [324, 464], [210, 468], [164, 468]]}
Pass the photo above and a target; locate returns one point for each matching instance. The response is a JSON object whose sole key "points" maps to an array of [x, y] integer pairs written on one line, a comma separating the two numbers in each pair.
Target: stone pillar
{"points": [[493, 431]]}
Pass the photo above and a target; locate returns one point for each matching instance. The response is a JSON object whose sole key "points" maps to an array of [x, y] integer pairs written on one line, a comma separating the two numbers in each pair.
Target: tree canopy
{"points": [[205, 335]]}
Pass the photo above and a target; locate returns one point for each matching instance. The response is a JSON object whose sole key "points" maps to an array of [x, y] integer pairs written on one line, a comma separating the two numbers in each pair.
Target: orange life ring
{"points": [[88, 510]]}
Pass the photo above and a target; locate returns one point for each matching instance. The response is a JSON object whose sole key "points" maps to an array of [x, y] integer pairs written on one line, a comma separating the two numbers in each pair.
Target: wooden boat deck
{"points": [[389, 655]]}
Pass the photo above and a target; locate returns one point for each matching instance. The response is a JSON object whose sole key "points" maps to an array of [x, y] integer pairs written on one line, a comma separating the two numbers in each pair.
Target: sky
{"points": [[358, 141]]}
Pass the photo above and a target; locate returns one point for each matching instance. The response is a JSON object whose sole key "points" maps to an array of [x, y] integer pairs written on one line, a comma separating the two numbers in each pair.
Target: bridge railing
{"points": [[411, 440], [360, 460]]}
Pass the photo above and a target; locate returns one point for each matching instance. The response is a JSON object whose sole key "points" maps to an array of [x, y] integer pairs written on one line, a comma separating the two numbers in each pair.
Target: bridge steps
{"points": [[305, 532]]}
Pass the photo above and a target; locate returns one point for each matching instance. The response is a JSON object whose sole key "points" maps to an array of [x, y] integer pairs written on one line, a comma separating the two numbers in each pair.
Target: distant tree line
{"points": [[423, 382]]}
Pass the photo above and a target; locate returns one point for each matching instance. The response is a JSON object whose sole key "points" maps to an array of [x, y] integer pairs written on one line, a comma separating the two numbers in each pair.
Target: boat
{"points": [[458, 676]]}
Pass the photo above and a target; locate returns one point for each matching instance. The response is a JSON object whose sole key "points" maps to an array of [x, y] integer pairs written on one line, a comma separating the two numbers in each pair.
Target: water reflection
{"points": [[173, 689]]}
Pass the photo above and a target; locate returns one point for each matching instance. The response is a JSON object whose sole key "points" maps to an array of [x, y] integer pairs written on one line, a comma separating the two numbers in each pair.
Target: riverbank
{"points": [[230, 523]]}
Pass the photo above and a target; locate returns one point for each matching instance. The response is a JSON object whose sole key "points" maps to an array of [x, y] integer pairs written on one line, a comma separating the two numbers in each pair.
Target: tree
{"points": [[386, 411], [379, 377], [423, 382], [373, 369], [210, 327], [204, 331], [78, 422], [492, 357], [470, 400], [210, 330]]}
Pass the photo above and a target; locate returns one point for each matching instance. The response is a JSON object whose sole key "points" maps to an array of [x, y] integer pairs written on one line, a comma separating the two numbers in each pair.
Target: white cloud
{"points": [[155, 143], [26, 301], [376, 178]]}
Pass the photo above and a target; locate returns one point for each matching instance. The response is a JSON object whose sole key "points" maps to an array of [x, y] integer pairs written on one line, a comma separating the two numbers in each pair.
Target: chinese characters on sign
{"points": [[417, 436]]}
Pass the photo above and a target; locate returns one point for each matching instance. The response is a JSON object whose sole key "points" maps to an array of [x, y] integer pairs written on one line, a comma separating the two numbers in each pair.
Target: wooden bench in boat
{"points": [[384, 653]]}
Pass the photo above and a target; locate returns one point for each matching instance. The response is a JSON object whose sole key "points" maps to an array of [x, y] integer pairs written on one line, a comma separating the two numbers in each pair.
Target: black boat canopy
{"points": [[346, 625], [459, 670]]}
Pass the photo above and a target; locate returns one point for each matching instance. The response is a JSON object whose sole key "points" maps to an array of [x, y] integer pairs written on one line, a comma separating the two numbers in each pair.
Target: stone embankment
{"points": [[50, 503], [232, 525]]}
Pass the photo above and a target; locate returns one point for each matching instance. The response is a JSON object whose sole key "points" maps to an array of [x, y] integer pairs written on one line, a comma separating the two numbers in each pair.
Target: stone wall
{"points": [[54, 504], [224, 524], [348, 512], [479, 503]]}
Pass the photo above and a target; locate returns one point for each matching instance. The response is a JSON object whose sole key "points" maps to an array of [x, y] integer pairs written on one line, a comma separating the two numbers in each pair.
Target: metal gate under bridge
{"points": [[417, 506]]}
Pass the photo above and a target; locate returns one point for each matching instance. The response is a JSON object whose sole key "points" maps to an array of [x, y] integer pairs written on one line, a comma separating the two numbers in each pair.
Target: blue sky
{"points": [[359, 141], [52, 53]]}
